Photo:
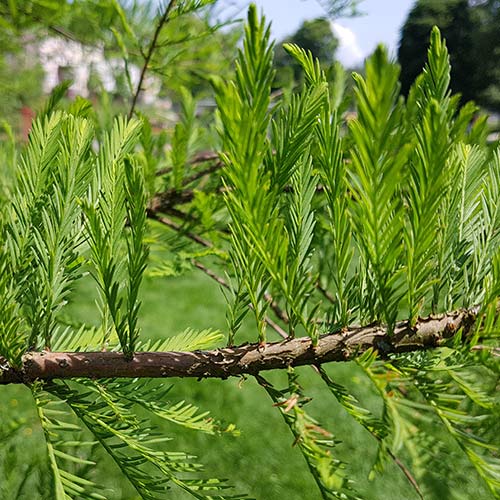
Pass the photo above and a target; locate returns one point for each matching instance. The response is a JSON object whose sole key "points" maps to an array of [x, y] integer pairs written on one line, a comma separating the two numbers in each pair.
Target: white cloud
{"points": [[349, 52]]}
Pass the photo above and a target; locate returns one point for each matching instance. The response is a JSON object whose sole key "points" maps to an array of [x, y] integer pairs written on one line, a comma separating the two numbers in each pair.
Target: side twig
{"points": [[202, 157], [224, 284], [161, 23], [280, 313]]}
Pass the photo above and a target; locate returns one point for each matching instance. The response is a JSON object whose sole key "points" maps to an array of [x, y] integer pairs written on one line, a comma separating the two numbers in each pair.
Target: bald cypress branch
{"points": [[339, 346]]}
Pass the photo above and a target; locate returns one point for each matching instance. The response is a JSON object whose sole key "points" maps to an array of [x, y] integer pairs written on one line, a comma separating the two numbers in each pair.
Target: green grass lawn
{"points": [[262, 461]]}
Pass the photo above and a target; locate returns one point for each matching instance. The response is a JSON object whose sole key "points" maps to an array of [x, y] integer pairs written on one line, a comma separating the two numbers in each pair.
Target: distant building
{"points": [[63, 59]]}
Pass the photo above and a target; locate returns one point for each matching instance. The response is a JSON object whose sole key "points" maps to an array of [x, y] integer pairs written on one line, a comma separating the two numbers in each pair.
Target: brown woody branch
{"points": [[176, 227], [245, 359], [202, 173], [164, 201]]}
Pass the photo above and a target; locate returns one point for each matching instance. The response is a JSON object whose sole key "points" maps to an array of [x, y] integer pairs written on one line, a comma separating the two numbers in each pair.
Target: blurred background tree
{"points": [[340, 8], [315, 35], [473, 39], [24, 24], [487, 45]]}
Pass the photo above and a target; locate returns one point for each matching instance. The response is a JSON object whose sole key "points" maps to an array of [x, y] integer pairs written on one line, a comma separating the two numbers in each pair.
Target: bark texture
{"points": [[245, 359]]}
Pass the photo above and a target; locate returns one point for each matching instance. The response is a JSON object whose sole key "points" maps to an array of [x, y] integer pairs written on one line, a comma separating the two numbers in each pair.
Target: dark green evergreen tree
{"points": [[487, 52], [315, 35], [456, 21]]}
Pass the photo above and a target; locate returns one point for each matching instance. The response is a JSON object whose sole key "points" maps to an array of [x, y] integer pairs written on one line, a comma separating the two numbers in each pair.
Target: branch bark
{"points": [[344, 345], [203, 157]]}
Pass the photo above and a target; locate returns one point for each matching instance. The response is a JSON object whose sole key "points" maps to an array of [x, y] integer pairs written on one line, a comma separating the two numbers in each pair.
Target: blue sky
{"points": [[358, 36]]}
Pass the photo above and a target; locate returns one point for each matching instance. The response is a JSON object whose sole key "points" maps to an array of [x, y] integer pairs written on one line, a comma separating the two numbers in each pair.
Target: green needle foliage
{"points": [[375, 180], [74, 209], [53, 420], [43, 229], [118, 196], [243, 106], [315, 443], [185, 134], [322, 223]]}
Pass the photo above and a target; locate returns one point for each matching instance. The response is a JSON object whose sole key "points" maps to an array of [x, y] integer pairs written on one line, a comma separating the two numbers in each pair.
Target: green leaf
{"points": [[106, 209], [134, 445], [244, 112]]}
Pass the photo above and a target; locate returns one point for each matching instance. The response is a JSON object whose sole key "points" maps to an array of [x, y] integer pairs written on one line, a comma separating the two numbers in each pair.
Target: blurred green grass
{"points": [[262, 461]]}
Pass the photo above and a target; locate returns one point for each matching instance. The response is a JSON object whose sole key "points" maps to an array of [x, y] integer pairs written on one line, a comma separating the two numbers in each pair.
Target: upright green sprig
{"points": [[290, 164], [330, 163], [486, 239], [272, 231], [461, 208], [298, 278], [292, 129], [375, 180], [426, 187], [328, 160], [117, 198], [185, 133], [8, 162], [13, 334], [57, 241], [243, 108], [137, 251], [452, 212], [428, 174], [31, 190], [45, 233]]}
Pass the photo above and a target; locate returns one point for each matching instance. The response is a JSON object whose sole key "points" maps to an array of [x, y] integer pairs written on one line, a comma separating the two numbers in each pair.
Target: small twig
{"points": [[167, 199], [65, 34], [495, 351], [224, 284], [202, 173], [407, 473], [207, 244], [177, 227], [282, 315], [52, 27], [328, 296], [180, 214], [161, 23], [201, 241], [163, 171], [203, 157]]}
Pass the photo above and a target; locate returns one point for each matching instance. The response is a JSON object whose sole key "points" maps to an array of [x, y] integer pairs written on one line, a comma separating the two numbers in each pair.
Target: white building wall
{"points": [[56, 54]]}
